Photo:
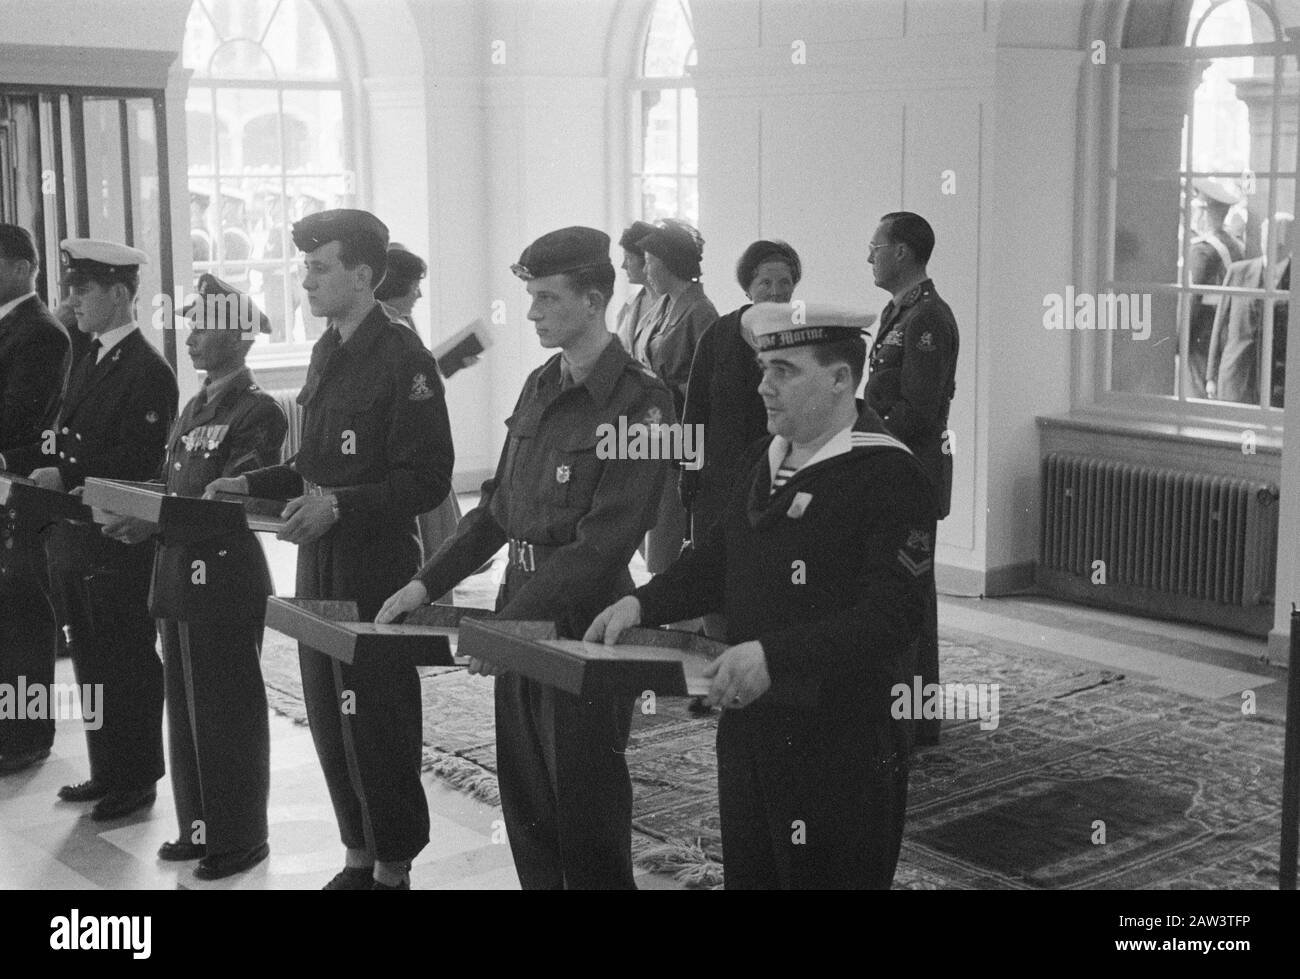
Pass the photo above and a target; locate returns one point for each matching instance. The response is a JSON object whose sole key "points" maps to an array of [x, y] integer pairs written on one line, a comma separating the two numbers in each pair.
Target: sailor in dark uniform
{"points": [[33, 369], [376, 452], [119, 406], [910, 384], [210, 599], [817, 563], [572, 519]]}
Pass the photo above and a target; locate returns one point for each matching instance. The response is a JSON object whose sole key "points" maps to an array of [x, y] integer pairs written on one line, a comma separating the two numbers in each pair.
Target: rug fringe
{"points": [[687, 862], [463, 775]]}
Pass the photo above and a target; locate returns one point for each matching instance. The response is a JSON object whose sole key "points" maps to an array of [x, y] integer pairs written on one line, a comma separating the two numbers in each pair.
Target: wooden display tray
{"points": [[179, 519], [32, 508], [331, 627], [668, 662], [262, 515]]}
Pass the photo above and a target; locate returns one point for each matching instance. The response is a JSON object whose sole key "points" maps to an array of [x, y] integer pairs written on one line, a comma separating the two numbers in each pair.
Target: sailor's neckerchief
{"points": [[865, 436]]}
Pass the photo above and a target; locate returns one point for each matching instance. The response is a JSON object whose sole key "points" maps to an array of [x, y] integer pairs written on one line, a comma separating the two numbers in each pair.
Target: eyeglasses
{"points": [[873, 247]]}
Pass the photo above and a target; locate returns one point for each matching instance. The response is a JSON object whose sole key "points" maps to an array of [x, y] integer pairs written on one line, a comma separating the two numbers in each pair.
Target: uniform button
{"points": [[65, 429], [78, 435], [62, 456], [177, 466], [72, 461]]}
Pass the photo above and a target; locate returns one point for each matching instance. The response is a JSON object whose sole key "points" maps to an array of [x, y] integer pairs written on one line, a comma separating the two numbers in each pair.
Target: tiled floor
{"points": [[45, 843]]}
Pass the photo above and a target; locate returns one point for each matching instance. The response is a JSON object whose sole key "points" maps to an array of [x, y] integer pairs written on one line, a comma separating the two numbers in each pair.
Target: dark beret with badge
{"points": [[358, 231], [216, 300], [571, 249]]}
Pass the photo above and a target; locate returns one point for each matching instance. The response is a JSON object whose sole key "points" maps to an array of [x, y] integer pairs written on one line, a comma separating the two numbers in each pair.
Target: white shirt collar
{"points": [[111, 338], [13, 304], [838, 444]]}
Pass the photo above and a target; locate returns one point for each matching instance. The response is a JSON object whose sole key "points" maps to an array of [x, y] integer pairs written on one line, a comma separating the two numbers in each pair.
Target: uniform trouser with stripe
{"points": [[927, 648], [28, 643], [366, 719], [566, 794], [218, 732], [806, 805]]}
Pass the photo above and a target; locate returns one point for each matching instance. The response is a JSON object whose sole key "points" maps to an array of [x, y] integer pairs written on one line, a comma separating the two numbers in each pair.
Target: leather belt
{"points": [[526, 556]]}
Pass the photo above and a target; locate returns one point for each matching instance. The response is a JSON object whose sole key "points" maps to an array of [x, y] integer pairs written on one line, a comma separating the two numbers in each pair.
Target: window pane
{"points": [[242, 59], [690, 125], [658, 198], [1144, 357], [661, 133], [146, 201], [313, 132], [669, 40], [299, 44], [104, 170]]}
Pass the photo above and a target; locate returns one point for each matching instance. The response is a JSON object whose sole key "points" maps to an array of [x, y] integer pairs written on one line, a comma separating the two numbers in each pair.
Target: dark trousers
{"points": [[566, 794], [28, 644], [366, 718], [218, 732], [927, 650], [805, 806], [101, 598]]}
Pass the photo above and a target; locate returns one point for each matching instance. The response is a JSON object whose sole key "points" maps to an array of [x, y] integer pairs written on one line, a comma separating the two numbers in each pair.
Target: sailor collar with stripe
{"points": [[859, 438]]}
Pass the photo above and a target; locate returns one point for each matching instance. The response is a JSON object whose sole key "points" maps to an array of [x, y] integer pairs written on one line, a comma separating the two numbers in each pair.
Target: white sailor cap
{"points": [[1215, 192], [96, 257], [776, 326]]}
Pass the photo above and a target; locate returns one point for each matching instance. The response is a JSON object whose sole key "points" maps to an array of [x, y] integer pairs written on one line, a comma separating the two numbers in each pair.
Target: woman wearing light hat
{"points": [[667, 346]]}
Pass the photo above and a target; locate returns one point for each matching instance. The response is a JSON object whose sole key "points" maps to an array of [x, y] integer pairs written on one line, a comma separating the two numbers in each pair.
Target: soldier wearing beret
{"points": [[376, 452], [816, 564], [210, 599], [113, 423], [34, 358], [572, 521], [913, 374]]}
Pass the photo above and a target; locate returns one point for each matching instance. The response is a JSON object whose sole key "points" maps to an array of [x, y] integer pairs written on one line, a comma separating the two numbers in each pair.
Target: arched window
{"points": [[268, 73], [1202, 177], [665, 172]]}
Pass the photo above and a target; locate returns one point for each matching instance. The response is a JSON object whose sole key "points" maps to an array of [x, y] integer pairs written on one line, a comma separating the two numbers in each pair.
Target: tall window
{"points": [[665, 176], [1202, 182], [267, 146]]}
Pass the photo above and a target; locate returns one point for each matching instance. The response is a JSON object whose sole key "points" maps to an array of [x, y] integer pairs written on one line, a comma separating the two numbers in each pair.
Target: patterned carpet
{"points": [[1091, 780]]}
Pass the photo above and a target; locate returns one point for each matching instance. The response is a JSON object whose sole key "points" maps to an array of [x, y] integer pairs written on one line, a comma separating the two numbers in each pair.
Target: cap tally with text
{"points": [[1215, 192], [239, 313], [566, 250], [100, 257], [340, 224], [776, 326]]}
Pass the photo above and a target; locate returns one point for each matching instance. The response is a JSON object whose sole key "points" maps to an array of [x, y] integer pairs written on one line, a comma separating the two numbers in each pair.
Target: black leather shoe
{"points": [[87, 791], [225, 864], [405, 885], [122, 802], [351, 879], [182, 851], [10, 764]]}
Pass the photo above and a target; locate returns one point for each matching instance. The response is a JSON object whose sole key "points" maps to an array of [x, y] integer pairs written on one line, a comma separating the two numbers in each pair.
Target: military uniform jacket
{"points": [[375, 429], [226, 578], [827, 573], [913, 374], [33, 368], [114, 420], [553, 487]]}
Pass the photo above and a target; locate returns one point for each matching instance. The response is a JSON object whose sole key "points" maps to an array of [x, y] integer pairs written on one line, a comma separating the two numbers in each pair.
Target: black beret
{"points": [[342, 224], [678, 246], [632, 234], [566, 250], [246, 310], [762, 251]]}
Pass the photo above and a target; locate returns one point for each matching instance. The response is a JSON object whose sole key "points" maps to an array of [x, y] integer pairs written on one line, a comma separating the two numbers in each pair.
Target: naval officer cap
{"points": [[778, 326], [236, 311], [1214, 192], [566, 250], [92, 260]]}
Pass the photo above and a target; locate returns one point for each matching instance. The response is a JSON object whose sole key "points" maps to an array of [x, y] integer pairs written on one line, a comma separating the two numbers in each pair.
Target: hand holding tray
{"points": [[262, 515], [180, 519]]}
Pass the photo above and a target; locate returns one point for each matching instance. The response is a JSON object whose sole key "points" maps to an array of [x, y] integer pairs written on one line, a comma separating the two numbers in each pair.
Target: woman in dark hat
{"points": [[398, 293], [640, 304], [666, 344], [722, 394]]}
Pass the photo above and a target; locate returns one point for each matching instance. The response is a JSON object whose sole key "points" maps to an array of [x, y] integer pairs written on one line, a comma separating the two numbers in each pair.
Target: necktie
{"points": [[81, 373]]}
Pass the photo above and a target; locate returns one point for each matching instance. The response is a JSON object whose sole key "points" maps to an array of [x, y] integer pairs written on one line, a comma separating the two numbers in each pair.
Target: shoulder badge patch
{"points": [[926, 343], [420, 390], [562, 474], [654, 415]]}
